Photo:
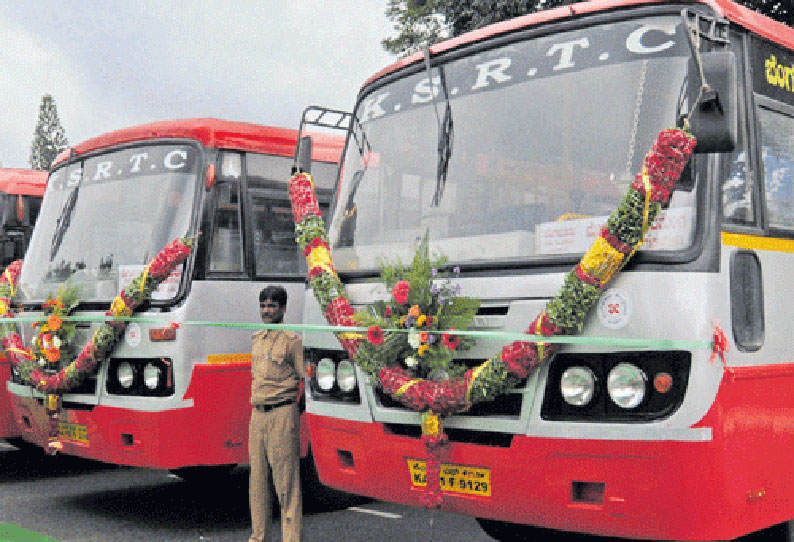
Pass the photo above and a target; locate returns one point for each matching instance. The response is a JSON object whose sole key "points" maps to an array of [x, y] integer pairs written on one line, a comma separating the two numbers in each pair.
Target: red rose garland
{"points": [[618, 240], [105, 338]]}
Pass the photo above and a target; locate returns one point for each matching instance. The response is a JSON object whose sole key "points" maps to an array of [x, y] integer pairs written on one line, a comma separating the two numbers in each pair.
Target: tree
{"points": [[420, 23], [49, 138], [775, 9]]}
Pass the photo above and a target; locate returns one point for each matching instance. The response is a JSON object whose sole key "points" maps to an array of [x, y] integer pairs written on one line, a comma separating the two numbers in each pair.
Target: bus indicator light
{"points": [[209, 178], [159, 334], [663, 382]]}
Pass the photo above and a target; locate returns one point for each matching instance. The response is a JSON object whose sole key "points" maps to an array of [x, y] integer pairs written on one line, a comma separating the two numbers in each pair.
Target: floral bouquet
{"points": [[422, 313], [54, 333]]}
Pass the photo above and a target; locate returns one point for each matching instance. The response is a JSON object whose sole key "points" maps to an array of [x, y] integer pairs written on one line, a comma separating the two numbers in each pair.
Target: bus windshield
{"points": [[514, 152], [104, 218]]}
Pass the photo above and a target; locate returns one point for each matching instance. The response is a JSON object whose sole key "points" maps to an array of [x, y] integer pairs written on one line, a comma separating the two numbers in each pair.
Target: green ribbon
{"points": [[655, 344]]}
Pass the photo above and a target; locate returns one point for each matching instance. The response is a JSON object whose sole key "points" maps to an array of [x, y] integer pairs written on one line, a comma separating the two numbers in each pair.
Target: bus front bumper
{"points": [[635, 489]]}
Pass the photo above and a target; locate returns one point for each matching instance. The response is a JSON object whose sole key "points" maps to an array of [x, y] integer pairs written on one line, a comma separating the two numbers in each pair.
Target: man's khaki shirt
{"points": [[276, 366]]}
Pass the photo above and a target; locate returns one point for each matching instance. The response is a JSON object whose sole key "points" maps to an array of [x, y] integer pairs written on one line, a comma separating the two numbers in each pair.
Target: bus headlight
{"points": [[326, 374], [577, 386], [125, 375], [151, 376], [346, 375], [626, 385]]}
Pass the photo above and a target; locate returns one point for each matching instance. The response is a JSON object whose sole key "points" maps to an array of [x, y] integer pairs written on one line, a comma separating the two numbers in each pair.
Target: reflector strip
{"points": [[221, 359], [759, 243]]}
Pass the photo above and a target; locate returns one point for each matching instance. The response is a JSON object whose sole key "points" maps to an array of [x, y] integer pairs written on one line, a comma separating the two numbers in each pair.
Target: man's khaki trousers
{"points": [[274, 445]]}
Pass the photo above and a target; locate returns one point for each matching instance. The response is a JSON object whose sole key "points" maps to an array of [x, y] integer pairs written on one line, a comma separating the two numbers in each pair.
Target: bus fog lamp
{"points": [[151, 376], [326, 374], [626, 385], [346, 376], [125, 375], [577, 386]]}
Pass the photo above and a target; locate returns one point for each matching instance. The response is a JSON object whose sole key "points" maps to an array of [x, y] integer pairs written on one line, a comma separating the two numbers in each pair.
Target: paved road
{"points": [[75, 500]]}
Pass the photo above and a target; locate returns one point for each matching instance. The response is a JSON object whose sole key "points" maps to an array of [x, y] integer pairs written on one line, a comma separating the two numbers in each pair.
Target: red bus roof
{"points": [[25, 182], [738, 14], [215, 133]]}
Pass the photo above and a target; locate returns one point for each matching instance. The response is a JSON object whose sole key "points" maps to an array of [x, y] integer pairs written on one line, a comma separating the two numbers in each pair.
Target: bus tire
{"points": [[205, 474], [24, 446], [516, 532]]}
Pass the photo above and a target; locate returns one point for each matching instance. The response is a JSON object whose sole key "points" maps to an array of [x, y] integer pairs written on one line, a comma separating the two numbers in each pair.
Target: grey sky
{"points": [[115, 64]]}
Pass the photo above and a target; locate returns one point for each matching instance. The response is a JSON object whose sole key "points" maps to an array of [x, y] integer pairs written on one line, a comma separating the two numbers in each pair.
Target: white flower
{"points": [[413, 338], [56, 342], [42, 362], [410, 361]]}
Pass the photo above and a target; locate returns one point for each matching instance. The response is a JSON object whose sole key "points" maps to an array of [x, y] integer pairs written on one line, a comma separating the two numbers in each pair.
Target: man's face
{"points": [[271, 311]]}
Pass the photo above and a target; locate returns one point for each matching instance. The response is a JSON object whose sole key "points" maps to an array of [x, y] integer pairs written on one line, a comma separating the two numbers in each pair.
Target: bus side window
{"points": [[777, 144], [737, 186], [274, 235], [227, 247], [272, 227]]}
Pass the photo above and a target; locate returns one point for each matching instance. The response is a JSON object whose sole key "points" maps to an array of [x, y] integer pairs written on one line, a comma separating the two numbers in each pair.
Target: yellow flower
{"points": [[430, 424], [422, 349], [119, 308], [421, 320]]}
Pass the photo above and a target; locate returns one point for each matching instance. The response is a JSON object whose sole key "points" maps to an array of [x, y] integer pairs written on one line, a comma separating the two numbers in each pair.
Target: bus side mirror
{"points": [[303, 154], [714, 120]]}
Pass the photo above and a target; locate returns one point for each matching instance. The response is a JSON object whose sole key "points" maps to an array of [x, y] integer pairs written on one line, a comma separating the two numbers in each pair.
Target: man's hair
{"points": [[274, 293]]}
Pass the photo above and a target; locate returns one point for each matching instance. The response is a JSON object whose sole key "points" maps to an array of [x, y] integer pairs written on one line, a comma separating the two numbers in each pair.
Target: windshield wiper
{"points": [[63, 222], [445, 132], [348, 227]]}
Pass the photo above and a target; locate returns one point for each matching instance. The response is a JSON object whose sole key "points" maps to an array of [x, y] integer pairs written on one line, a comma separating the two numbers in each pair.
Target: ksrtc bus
{"points": [[21, 191], [167, 397], [507, 148]]}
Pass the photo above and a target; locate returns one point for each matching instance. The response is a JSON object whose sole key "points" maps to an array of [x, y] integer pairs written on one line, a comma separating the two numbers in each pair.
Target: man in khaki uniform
{"points": [[274, 432]]}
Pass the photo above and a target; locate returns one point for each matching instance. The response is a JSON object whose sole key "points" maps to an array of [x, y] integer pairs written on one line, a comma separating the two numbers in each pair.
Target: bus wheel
{"points": [[207, 474], [514, 532], [25, 446]]}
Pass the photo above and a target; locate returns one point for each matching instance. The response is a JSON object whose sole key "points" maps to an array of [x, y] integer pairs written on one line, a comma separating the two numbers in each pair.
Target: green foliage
{"points": [[49, 138], [420, 23], [569, 307], [493, 380], [326, 288], [310, 228], [105, 338], [775, 9], [626, 221]]}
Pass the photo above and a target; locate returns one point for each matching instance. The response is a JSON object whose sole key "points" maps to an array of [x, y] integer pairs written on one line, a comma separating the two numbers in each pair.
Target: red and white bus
{"points": [[21, 191], [167, 397], [508, 147]]}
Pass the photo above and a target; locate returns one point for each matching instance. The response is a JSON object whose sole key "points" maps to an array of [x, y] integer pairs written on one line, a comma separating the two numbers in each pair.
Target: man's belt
{"points": [[268, 408]]}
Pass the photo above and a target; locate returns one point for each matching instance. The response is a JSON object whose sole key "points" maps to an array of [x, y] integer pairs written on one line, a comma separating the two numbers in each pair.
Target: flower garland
{"points": [[619, 239], [61, 376], [106, 336]]}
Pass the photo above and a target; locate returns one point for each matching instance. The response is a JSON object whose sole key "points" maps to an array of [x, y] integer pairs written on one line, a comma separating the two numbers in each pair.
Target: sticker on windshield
{"points": [[133, 334], [167, 289], [614, 308]]}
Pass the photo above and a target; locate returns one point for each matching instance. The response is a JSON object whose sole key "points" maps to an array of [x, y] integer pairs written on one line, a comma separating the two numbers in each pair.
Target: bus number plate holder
{"points": [[454, 478], [73, 431]]}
